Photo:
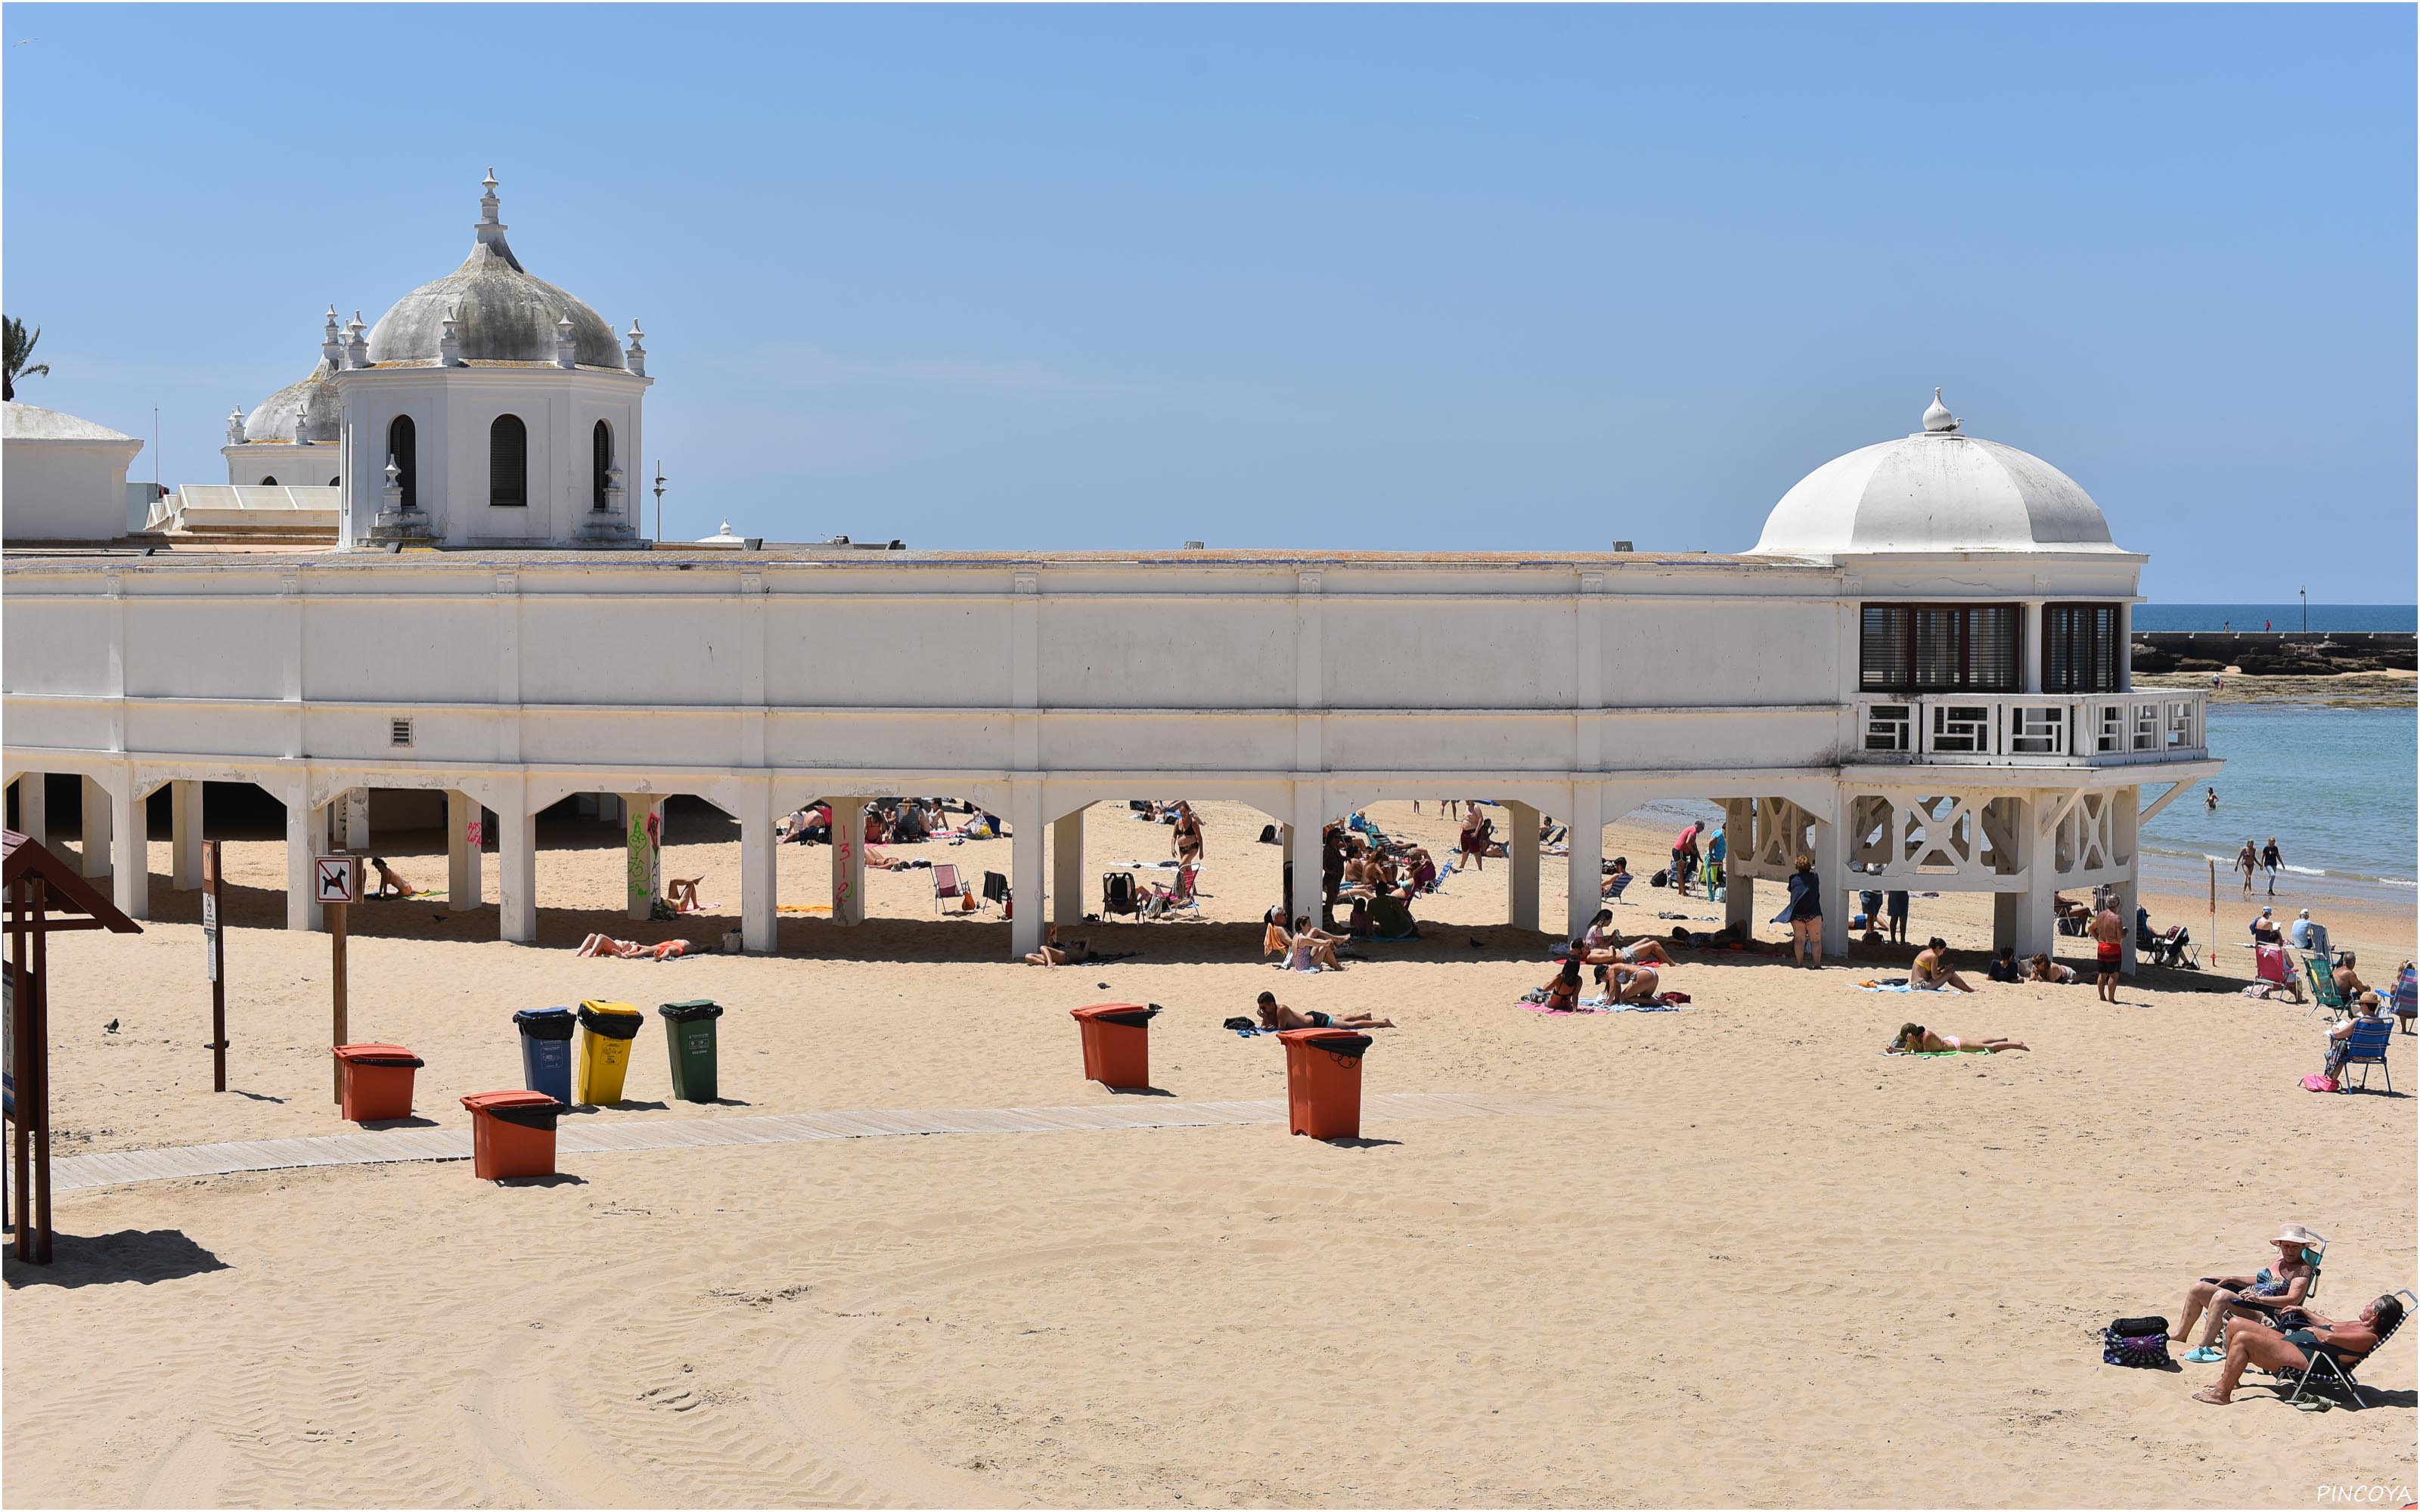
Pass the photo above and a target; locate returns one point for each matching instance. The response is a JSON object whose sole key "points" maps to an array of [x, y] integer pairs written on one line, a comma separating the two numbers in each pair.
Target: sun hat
{"points": [[2297, 1234]]}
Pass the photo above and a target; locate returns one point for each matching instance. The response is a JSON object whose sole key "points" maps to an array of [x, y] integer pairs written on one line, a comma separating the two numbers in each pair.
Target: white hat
{"points": [[2297, 1234], [2304, 913]]}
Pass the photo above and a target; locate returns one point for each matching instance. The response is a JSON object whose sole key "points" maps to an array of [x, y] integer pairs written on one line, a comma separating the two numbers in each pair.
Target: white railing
{"points": [[2026, 728]]}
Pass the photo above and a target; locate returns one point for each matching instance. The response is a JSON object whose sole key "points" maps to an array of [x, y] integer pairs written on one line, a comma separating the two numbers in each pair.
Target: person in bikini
{"points": [[681, 892], [1562, 989], [1055, 954], [2284, 1284], [2043, 968], [1915, 1038], [1634, 984], [606, 947], [388, 878], [2109, 946], [1185, 842], [1931, 967], [2299, 1346], [1276, 1015]]}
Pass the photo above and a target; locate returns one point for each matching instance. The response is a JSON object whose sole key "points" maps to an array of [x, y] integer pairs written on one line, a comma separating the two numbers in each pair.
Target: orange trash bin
{"points": [[512, 1133], [1324, 1081], [1117, 1042], [375, 1081]]}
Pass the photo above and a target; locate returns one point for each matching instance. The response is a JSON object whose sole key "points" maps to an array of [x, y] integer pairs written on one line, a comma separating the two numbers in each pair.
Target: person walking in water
{"points": [[2271, 859], [2247, 861]]}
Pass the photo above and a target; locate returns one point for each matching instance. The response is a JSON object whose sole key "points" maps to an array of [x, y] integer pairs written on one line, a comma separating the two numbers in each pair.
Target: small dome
{"points": [[1934, 491], [305, 410], [500, 313]]}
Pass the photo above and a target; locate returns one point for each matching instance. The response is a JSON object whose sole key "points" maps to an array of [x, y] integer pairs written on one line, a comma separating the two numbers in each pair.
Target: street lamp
{"points": [[659, 503], [2306, 607]]}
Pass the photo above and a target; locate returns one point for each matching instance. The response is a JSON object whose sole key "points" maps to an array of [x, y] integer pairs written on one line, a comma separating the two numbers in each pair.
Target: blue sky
{"points": [[1366, 277]]}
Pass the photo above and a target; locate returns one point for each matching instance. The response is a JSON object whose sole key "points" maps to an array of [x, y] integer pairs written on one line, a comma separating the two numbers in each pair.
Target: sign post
{"points": [[214, 949], [336, 881]]}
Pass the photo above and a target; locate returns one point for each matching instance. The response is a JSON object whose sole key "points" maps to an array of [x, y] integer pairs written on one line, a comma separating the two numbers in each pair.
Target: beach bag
{"points": [[2318, 1083], [1660, 879], [2137, 1352]]}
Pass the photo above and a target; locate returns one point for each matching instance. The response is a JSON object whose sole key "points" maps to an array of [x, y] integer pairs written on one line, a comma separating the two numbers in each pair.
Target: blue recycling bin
{"points": [[546, 1050]]}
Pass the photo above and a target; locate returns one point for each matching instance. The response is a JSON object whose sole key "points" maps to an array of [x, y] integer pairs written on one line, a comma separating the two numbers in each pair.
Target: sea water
{"points": [[2337, 786], [2332, 617]]}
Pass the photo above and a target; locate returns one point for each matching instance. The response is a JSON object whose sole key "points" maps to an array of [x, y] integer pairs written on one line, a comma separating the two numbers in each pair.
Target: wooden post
{"points": [[20, 1004], [214, 942], [37, 1050], [336, 942]]}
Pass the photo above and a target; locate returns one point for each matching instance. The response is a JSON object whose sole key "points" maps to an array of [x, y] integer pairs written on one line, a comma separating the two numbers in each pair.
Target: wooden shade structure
{"points": [[45, 895]]}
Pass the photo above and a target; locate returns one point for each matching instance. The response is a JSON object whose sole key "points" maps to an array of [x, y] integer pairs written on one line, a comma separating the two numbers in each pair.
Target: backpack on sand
{"points": [[2127, 1343]]}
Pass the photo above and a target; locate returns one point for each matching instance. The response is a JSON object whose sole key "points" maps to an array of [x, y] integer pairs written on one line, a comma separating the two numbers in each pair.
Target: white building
{"points": [[65, 478], [1921, 672]]}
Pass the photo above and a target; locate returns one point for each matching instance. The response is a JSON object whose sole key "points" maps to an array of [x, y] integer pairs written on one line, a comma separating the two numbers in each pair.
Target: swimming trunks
{"points": [[1319, 1021], [2110, 952]]}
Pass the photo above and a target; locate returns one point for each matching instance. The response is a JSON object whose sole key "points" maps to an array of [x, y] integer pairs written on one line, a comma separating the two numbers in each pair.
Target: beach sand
{"points": [[1724, 1255]]}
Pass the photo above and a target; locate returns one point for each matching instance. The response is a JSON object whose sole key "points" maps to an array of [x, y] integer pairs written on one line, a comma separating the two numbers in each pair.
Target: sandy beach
{"points": [[1729, 1255]]}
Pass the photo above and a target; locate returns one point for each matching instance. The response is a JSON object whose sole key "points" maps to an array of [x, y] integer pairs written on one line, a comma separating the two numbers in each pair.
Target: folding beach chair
{"points": [[1620, 886], [2406, 999], [2268, 964], [2365, 1047], [946, 888], [2324, 1376], [1117, 893], [2323, 987]]}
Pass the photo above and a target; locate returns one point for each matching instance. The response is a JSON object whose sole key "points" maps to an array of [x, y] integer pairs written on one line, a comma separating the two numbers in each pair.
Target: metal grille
{"points": [[399, 734]]}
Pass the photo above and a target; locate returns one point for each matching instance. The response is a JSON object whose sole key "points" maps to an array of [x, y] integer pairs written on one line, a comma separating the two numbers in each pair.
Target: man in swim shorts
{"points": [[2109, 933]]}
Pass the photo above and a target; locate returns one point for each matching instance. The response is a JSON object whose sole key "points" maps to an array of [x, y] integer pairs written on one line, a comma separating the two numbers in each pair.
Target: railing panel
{"points": [[2032, 727]]}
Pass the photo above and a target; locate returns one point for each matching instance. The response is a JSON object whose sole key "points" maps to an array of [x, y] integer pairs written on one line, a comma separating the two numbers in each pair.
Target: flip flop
{"points": [[2204, 1355]]}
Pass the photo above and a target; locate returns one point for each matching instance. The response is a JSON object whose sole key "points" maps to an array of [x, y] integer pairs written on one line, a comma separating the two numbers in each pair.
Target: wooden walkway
{"points": [[580, 1135]]}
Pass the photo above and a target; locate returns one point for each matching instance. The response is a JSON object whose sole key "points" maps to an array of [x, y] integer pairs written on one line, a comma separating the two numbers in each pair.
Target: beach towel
{"points": [[1896, 987], [1666, 1003], [1933, 1055]]}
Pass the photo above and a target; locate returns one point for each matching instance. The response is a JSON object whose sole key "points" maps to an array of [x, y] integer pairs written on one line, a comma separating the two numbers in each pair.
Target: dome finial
{"points": [[488, 202], [1937, 418]]}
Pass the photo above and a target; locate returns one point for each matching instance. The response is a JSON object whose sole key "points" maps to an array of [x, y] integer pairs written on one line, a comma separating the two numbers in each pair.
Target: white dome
{"points": [[501, 313], [1934, 491]]}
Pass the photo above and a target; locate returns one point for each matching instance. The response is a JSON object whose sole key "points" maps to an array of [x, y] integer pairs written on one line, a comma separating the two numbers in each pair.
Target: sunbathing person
{"points": [[681, 892], [1634, 984], [2043, 970], [389, 878], [1932, 968], [886, 863], [1915, 1038], [2299, 1347], [1276, 1015], [1311, 949], [1602, 944], [1562, 989], [605, 947], [2282, 1285], [1055, 954]]}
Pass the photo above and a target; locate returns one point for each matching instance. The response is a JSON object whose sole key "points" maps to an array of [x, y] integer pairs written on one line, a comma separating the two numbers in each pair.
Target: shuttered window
{"points": [[508, 463], [600, 463], [402, 438], [2080, 649], [1939, 648]]}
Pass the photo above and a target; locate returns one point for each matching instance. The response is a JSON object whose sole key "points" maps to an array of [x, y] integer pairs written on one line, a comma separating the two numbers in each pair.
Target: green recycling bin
{"points": [[688, 1031]]}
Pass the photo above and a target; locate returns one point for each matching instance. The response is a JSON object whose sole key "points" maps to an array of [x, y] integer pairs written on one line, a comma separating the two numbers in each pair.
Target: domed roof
{"points": [[303, 410], [1934, 491], [500, 313]]}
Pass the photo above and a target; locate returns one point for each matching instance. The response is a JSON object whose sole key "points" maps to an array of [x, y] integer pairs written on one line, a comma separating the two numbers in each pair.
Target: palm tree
{"points": [[21, 347]]}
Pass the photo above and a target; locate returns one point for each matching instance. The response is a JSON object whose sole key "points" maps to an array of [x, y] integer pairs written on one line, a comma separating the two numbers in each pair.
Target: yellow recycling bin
{"points": [[606, 1031]]}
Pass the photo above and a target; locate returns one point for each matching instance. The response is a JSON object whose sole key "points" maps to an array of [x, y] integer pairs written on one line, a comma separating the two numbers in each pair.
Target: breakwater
{"points": [[2277, 652]]}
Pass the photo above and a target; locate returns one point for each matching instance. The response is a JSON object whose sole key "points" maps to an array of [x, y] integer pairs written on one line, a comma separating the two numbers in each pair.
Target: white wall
{"points": [[316, 464], [64, 490]]}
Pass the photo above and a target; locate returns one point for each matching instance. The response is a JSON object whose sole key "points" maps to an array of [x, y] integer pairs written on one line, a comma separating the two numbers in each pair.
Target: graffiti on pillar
{"points": [[646, 832], [473, 834], [845, 847]]}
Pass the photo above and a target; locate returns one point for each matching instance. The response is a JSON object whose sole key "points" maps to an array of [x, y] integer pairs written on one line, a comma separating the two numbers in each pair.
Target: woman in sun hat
{"points": [[2284, 1284]]}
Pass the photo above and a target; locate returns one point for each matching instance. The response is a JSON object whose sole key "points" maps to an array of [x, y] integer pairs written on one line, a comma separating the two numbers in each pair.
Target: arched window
{"points": [[402, 438], [268, 483], [508, 463], [600, 462], [335, 482]]}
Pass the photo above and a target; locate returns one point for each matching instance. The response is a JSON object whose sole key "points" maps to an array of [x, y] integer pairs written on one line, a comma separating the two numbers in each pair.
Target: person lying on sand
{"points": [[1932, 968], [1276, 1015], [607, 948], [2043, 970], [1602, 945], [1055, 954], [1915, 1038], [2282, 1285], [2299, 1347], [388, 878], [887, 863]]}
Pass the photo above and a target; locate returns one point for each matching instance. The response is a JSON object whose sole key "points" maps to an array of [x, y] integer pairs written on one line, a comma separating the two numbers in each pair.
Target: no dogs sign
{"points": [[334, 880]]}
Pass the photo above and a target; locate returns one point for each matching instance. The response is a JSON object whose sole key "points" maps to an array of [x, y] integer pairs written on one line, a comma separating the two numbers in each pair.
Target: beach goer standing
{"points": [[1716, 849], [1185, 842], [1684, 859], [2109, 935], [1478, 833], [1895, 909], [2209, 799], [2247, 861], [2271, 858], [1804, 913]]}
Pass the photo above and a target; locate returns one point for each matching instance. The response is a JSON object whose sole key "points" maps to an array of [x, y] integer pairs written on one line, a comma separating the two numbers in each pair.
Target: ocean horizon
{"points": [[2276, 616]]}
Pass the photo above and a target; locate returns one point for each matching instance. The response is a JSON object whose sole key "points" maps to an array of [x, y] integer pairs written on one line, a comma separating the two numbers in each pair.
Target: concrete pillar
{"points": [[2006, 907], [760, 916], [1521, 848], [848, 860], [131, 864], [2035, 928], [1025, 866], [2029, 647], [1586, 871], [516, 870], [184, 835], [1832, 873], [1739, 901], [1285, 871], [34, 807], [357, 818], [2129, 824], [1303, 848], [1067, 869], [306, 838], [463, 871], [643, 857], [94, 862], [2126, 679]]}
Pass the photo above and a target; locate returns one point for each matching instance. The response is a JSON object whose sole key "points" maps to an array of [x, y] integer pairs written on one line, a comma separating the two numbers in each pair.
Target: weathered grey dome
{"points": [[305, 410], [500, 313]]}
